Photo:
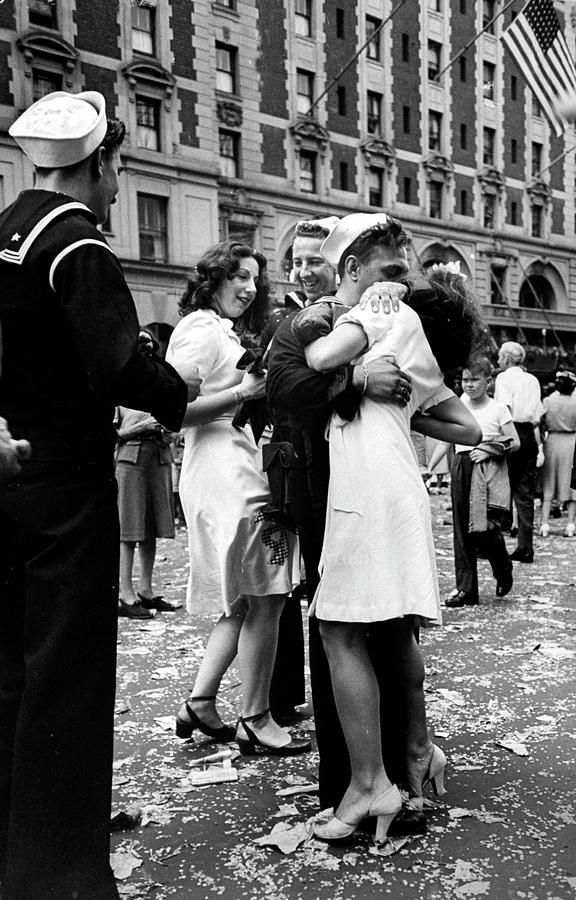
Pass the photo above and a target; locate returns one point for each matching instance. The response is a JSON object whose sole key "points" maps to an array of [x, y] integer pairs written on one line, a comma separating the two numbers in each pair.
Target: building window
{"points": [[341, 95], [304, 90], [513, 88], [463, 7], [488, 76], [536, 107], [148, 123], [229, 153], [463, 71], [537, 219], [489, 145], [225, 68], [463, 203], [152, 226], [407, 190], [406, 119], [498, 284], [375, 187], [513, 150], [434, 59], [373, 48], [374, 112], [405, 47], [488, 14], [489, 210], [308, 163], [463, 136], [435, 5], [537, 150], [436, 192], [344, 182], [303, 18], [513, 213], [44, 83], [43, 12], [340, 30], [143, 28], [229, 4], [434, 130]]}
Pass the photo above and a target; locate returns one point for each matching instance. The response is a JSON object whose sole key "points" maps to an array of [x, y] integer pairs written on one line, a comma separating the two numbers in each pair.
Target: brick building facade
{"points": [[216, 97]]}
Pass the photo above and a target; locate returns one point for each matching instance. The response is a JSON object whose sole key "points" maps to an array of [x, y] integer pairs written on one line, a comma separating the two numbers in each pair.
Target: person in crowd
{"points": [[12, 453], [480, 489], [242, 560], [307, 399], [146, 507], [560, 440], [376, 489], [71, 353], [313, 278], [520, 391]]}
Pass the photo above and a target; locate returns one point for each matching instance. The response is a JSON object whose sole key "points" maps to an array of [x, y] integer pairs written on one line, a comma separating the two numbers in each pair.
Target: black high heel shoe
{"points": [[247, 745], [185, 727]]}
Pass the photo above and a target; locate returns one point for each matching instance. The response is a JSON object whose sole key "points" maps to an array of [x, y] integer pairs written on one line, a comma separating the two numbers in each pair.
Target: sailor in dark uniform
{"points": [[70, 354]]}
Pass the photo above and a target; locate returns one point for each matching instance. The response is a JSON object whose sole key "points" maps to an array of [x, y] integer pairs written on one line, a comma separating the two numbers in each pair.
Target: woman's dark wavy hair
{"points": [[451, 320], [221, 262]]}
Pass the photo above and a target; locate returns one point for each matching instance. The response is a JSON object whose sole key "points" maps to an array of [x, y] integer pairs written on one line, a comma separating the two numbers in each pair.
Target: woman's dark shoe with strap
{"points": [[133, 610], [250, 743], [188, 721]]}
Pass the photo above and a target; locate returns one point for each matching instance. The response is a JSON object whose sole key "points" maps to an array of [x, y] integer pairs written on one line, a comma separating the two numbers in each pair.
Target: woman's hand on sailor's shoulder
{"points": [[383, 296]]}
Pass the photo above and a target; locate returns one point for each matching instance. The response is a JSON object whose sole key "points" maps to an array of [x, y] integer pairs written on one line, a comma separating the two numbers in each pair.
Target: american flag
{"points": [[539, 47]]}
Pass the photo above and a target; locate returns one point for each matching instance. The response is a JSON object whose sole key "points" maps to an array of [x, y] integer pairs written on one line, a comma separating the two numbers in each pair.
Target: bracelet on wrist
{"points": [[365, 374]]}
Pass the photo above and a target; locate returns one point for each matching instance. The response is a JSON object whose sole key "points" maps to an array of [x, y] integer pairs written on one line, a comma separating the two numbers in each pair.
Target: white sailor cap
{"points": [[346, 231], [61, 129]]}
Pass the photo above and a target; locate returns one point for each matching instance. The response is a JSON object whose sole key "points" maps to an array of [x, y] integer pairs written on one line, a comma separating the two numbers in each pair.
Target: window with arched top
{"points": [[537, 292]]}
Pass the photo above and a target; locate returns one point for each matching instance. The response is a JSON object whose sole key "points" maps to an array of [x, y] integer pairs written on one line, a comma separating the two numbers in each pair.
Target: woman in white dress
{"points": [[378, 561], [242, 562]]}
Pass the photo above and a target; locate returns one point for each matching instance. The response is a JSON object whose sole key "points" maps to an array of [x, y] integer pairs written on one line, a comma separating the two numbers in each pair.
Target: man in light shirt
{"points": [[520, 391]]}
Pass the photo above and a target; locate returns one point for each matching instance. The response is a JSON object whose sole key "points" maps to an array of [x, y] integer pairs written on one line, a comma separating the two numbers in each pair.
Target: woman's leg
{"points": [[256, 656], [220, 652], [546, 506], [127, 592], [358, 703], [147, 557]]}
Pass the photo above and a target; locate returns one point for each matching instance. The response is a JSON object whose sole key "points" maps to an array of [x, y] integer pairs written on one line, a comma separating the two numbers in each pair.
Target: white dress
{"points": [[233, 550], [378, 559]]}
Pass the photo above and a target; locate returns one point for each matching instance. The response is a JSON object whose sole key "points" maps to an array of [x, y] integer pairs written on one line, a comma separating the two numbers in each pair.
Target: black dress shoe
{"points": [[405, 823], [504, 584], [523, 556], [133, 610], [462, 598], [158, 603]]}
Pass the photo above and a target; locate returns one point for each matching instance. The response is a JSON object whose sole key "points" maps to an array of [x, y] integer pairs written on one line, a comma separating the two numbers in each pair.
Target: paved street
{"points": [[501, 700]]}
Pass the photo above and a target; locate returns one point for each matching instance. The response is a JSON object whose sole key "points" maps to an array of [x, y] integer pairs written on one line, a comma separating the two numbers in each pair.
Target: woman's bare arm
{"points": [[449, 421]]}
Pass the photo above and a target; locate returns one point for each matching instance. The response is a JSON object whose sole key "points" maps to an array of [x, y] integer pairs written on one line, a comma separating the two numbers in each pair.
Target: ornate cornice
{"points": [[309, 133], [378, 151], [48, 45], [438, 167], [539, 191], [149, 74], [491, 180], [229, 113]]}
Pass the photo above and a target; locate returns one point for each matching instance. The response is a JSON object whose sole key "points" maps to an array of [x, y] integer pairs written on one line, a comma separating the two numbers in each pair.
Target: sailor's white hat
{"points": [[61, 128], [346, 231]]}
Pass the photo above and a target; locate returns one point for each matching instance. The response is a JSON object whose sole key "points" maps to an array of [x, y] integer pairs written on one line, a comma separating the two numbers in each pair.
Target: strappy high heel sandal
{"points": [[249, 740], [434, 775], [385, 807], [186, 726]]}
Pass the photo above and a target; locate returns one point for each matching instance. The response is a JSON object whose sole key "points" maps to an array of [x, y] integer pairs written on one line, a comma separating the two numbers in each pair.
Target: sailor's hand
{"points": [[383, 296]]}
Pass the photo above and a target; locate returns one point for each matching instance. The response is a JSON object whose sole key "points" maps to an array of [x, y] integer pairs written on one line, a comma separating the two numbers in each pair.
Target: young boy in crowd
{"points": [[480, 488]]}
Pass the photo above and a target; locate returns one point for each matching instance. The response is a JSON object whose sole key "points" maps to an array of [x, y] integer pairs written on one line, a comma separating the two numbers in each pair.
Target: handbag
{"points": [[279, 460]]}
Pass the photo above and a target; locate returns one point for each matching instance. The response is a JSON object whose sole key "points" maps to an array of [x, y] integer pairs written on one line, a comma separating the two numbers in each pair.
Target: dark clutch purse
{"points": [[279, 460]]}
